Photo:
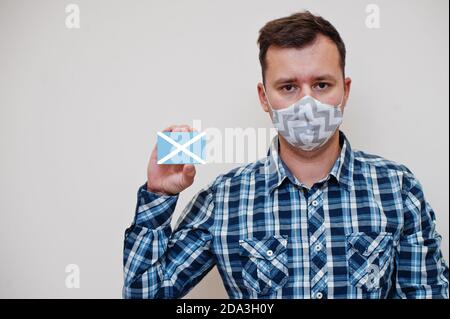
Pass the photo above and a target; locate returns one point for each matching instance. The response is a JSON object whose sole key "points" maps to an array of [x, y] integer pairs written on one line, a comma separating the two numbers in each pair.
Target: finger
{"points": [[181, 128], [169, 128], [174, 127]]}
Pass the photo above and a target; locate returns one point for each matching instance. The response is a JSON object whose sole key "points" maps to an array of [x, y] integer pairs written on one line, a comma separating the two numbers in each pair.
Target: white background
{"points": [[80, 108]]}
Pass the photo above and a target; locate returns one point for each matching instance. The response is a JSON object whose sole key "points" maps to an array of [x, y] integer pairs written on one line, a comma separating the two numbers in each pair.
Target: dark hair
{"points": [[297, 31]]}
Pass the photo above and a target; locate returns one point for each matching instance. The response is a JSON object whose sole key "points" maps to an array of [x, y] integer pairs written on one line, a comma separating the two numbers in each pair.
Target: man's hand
{"points": [[169, 179]]}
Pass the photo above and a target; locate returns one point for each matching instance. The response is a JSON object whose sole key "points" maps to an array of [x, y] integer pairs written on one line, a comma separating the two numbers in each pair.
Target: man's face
{"points": [[314, 70]]}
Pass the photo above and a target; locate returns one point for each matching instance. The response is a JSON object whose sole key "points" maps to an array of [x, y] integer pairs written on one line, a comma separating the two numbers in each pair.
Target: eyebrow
{"points": [[321, 77], [324, 77], [284, 81]]}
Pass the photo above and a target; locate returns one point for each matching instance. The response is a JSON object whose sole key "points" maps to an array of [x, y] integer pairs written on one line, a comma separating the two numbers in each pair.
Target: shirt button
{"points": [[315, 203], [319, 295], [269, 253], [318, 247]]}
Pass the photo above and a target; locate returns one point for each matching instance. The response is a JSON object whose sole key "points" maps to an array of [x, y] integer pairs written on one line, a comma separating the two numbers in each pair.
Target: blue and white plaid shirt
{"points": [[364, 231]]}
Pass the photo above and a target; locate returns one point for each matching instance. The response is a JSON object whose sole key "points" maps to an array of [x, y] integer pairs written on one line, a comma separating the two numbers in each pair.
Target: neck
{"points": [[310, 167]]}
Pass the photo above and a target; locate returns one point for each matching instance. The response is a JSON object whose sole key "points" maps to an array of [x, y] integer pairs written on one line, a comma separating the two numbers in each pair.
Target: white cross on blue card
{"points": [[181, 148]]}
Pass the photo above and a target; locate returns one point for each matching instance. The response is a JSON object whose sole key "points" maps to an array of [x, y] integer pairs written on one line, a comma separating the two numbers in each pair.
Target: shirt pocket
{"points": [[264, 263], [369, 258]]}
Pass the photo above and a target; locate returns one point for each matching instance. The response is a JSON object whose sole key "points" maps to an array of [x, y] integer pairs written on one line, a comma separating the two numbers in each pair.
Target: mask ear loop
{"points": [[342, 100], [267, 98], [271, 114], [340, 104]]}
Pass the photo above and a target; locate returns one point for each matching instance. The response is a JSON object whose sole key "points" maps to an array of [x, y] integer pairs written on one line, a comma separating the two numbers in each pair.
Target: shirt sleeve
{"points": [[421, 271], [159, 263]]}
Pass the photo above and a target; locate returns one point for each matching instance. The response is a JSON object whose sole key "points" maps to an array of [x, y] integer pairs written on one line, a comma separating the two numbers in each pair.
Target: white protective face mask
{"points": [[308, 123]]}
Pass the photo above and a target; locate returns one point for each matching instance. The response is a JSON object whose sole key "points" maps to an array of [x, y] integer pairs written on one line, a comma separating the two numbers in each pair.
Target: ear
{"points": [[262, 98]]}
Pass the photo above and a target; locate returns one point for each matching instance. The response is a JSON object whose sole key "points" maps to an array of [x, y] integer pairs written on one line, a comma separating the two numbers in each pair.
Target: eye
{"points": [[288, 88], [322, 86]]}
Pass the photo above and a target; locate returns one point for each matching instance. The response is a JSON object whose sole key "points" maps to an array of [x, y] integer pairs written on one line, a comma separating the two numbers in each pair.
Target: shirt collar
{"points": [[342, 170]]}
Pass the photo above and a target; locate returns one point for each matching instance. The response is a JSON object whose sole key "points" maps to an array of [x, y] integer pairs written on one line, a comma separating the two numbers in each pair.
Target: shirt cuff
{"points": [[154, 210]]}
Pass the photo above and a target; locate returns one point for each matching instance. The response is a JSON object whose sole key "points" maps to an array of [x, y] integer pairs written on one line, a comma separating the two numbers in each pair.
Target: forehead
{"points": [[321, 56]]}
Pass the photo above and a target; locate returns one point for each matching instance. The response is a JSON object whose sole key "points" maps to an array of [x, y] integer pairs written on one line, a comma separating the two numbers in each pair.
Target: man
{"points": [[314, 219]]}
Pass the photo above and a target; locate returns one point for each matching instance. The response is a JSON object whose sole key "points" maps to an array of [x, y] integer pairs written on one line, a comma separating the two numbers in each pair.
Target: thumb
{"points": [[188, 174]]}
